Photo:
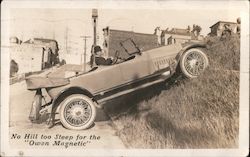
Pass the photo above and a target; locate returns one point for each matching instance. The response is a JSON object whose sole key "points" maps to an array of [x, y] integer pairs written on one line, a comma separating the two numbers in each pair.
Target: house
{"points": [[28, 57], [178, 35], [50, 46], [218, 28], [34, 54], [113, 39]]}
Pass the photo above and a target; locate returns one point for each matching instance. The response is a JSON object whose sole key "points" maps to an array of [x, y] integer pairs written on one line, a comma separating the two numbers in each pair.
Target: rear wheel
{"points": [[77, 112], [193, 63]]}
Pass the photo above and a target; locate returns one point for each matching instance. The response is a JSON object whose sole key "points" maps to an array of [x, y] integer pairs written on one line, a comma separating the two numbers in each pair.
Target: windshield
{"points": [[130, 47]]}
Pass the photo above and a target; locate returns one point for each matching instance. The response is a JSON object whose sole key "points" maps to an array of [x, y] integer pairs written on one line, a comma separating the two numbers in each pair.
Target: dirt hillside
{"points": [[191, 113]]}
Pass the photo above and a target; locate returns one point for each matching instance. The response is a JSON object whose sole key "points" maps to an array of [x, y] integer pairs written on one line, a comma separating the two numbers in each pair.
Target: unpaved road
{"points": [[20, 104]]}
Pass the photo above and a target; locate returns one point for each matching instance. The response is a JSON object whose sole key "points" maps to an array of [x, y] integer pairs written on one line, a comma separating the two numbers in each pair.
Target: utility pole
{"points": [[94, 17], [85, 50], [66, 39]]}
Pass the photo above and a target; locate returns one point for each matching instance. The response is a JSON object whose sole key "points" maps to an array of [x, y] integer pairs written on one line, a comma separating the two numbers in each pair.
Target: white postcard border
{"points": [[244, 84]]}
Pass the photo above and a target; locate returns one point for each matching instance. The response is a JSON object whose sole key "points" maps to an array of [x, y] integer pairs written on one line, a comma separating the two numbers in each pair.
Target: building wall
{"points": [[163, 40], [29, 58], [176, 38], [218, 28], [167, 39], [113, 38], [214, 29]]}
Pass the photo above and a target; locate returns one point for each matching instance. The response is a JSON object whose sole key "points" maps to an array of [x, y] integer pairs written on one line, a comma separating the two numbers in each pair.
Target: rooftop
{"points": [[222, 22], [178, 31], [125, 31], [41, 40]]}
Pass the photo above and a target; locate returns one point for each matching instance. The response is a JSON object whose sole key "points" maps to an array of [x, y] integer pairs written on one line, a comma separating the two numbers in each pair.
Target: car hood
{"points": [[56, 76]]}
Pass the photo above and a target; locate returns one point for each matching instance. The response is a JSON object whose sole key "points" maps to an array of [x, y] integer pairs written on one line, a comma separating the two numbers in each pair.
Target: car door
{"points": [[102, 79], [136, 68]]}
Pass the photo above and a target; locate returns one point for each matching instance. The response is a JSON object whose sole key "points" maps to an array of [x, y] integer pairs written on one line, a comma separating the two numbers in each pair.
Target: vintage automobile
{"points": [[77, 96]]}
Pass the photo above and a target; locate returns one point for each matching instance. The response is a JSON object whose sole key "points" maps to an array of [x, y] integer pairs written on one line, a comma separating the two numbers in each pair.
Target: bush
{"points": [[224, 53]]}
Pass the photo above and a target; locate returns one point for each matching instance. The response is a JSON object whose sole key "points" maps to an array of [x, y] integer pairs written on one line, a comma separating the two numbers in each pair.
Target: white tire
{"points": [[77, 112], [193, 62]]}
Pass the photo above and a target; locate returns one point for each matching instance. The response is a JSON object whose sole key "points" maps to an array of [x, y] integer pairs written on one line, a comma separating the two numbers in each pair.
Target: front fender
{"points": [[187, 46], [59, 94]]}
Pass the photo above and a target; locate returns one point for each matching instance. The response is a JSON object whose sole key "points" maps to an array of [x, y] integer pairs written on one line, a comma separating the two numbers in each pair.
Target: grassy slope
{"points": [[193, 113]]}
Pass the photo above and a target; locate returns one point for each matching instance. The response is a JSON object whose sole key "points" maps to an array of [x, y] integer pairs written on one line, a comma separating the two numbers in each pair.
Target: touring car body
{"points": [[105, 82]]}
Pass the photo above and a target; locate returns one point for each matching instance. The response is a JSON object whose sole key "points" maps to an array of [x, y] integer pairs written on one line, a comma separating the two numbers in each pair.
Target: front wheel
{"points": [[193, 62], [77, 112]]}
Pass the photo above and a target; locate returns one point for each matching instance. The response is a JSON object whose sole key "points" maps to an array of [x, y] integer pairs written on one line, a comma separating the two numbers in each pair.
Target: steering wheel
{"points": [[116, 57], [130, 57]]}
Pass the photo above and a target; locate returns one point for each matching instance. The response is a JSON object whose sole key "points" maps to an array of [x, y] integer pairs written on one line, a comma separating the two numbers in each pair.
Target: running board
{"points": [[103, 100]]}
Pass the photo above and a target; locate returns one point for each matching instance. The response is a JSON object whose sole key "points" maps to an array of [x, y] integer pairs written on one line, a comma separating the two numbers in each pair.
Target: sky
{"points": [[69, 24]]}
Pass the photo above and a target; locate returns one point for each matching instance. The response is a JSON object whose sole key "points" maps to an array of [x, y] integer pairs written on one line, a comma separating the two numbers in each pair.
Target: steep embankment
{"points": [[192, 113]]}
